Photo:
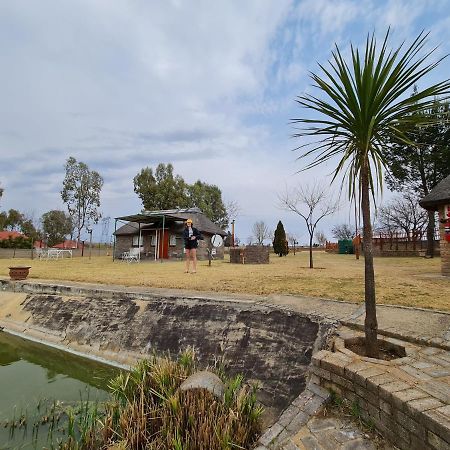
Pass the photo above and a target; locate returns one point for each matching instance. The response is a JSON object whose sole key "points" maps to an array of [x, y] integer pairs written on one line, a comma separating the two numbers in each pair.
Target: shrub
{"points": [[149, 411]]}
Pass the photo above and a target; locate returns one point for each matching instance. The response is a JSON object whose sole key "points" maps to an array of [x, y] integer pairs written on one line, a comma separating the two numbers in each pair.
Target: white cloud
{"points": [[207, 85]]}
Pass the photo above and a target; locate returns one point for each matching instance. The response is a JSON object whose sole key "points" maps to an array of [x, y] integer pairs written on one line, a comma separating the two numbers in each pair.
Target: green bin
{"points": [[345, 247]]}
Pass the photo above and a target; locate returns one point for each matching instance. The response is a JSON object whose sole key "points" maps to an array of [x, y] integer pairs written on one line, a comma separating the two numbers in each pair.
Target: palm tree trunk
{"points": [[370, 323], [430, 234]]}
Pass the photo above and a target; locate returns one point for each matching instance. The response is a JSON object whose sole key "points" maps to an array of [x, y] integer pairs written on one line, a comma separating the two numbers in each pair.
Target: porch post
{"points": [[163, 223], [139, 243], [114, 242]]}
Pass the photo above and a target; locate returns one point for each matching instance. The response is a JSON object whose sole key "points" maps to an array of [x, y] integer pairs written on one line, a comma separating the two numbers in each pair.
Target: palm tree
{"points": [[365, 107]]}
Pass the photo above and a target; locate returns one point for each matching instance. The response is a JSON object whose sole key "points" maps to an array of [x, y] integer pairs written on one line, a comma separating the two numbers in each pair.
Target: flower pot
{"points": [[19, 272]]}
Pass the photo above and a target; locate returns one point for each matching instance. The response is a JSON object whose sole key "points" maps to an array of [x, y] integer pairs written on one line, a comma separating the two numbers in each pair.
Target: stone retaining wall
{"points": [[403, 398], [266, 344], [252, 254]]}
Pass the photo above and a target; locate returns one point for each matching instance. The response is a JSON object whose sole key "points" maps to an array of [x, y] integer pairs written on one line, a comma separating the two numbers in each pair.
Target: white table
{"points": [[130, 257], [56, 253]]}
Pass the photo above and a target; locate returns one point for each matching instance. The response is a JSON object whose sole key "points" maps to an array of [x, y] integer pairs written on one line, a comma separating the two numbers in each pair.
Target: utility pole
{"points": [[89, 230], [232, 233]]}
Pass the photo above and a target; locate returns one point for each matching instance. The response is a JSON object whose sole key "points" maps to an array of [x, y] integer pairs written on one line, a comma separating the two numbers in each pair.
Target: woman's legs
{"points": [[194, 259], [188, 257]]}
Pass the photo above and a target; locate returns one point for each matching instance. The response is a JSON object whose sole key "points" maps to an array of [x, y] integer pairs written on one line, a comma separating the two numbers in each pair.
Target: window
{"points": [[173, 240], [153, 243], [135, 242]]}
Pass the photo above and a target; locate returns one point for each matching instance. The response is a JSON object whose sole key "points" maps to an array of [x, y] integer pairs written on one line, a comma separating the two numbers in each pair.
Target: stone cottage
{"points": [[439, 200], [159, 234]]}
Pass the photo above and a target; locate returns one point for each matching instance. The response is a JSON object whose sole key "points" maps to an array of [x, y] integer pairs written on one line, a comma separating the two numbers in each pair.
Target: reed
{"points": [[149, 411]]}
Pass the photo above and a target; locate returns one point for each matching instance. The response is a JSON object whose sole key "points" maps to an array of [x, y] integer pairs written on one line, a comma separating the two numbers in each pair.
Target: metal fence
{"points": [[27, 253]]}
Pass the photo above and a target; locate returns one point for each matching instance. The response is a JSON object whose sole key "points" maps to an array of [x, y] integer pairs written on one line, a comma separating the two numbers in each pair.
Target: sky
{"points": [[209, 86]]}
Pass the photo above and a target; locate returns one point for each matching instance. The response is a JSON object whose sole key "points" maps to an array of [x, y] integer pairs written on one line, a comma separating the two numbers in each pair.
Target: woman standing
{"points": [[191, 236]]}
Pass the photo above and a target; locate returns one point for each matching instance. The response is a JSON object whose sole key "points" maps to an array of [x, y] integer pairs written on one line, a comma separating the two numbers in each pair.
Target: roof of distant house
{"points": [[66, 244], [5, 234], [151, 219], [439, 195], [39, 244]]}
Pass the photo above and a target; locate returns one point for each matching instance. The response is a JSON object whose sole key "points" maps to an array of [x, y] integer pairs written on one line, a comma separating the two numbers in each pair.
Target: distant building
{"points": [[67, 245], [159, 234], [5, 235], [439, 200]]}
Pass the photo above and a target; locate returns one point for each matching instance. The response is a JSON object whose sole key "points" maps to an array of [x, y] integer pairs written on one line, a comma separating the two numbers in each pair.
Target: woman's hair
{"points": [[189, 221]]}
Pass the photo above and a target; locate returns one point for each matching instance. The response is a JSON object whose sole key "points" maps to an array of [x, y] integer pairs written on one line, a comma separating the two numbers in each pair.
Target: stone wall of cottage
{"points": [[445, 246], [124, 243]]}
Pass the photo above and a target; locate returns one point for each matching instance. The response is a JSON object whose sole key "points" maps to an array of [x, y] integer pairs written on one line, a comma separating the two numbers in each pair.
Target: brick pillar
{"points": [[445, 246]]}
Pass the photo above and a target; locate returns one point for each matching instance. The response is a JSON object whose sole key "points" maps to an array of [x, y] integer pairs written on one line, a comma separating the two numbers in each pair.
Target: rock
{"points": [[204, 380]]}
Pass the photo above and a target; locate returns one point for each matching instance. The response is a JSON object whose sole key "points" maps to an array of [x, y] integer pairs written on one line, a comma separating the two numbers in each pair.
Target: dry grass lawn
{"points": [[400, 281]]}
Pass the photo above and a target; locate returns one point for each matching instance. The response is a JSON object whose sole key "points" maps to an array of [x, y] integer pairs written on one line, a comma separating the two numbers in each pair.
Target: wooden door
{"points": [[163, 244]]}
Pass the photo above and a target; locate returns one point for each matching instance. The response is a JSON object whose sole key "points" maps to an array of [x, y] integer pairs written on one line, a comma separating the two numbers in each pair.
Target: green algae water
{"points": [[38, 385]]}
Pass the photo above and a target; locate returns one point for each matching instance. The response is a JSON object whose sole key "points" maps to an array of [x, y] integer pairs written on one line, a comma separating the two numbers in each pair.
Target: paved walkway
{"points": [[426, 327], [333, 433]]}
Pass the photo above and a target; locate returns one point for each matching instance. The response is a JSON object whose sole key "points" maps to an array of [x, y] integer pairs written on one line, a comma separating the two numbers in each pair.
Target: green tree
{"points": [[364, 109], [208, 198], [81, 193], [280, 246], [56, 226], [420, 167], [29, 230], [18, 242], [162, 190], [14, 220]]}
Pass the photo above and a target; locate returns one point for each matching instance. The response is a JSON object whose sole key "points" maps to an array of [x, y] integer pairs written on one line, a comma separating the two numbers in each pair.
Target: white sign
{"points": [[217, 240]]}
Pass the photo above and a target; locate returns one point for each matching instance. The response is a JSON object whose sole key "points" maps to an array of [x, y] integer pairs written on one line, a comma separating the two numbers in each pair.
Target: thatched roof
{"points": [[153, 219], [438, 196]]}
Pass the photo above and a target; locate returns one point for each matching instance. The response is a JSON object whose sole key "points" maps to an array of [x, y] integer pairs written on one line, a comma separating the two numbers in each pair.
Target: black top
{"points": [[191, 243]]}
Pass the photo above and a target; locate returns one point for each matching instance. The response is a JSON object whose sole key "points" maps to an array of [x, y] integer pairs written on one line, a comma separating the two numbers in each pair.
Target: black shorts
{"points": [[190, 246]]}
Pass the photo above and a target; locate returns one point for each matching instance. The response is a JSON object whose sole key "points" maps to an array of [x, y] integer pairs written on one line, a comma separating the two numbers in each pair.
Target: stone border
{"points": [[400, 400], [308, 403]]}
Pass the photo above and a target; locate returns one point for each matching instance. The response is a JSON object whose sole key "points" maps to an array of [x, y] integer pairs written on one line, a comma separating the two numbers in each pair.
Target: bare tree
{"points": [[321, 238], [310, 202], [233, 209], [404, 213], [292, 240], [261, 232], [342, 231]]}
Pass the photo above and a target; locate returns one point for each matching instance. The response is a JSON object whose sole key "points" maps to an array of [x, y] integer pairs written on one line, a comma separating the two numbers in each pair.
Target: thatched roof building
{"points": [[438, 196]]}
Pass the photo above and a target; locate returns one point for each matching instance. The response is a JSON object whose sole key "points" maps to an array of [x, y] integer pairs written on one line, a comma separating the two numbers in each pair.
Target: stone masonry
{"points": [[407, 399], [445, 246], [252, 254], [269, 346]]}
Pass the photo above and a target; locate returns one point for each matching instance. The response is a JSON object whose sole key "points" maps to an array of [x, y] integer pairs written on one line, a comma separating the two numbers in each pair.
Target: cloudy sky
{"points": [[207, 85]]}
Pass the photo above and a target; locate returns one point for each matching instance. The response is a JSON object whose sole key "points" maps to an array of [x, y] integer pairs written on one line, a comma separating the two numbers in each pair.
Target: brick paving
{"points": [[332, 433], [407, 399]]}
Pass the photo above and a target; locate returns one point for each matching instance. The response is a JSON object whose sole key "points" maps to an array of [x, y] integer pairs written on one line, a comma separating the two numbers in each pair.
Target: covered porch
{"points": [[150, 235]]}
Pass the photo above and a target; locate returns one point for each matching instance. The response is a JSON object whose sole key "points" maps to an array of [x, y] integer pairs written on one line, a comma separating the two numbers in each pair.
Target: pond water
{"points": [[37, 383]]}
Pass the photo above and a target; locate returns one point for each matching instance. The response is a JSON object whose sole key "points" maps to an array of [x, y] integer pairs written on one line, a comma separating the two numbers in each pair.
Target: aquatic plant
{"points": [[149, 411]]}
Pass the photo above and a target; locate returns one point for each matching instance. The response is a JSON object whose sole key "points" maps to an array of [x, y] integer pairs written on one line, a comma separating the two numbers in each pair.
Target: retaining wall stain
{"points": [[265, 344]]}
